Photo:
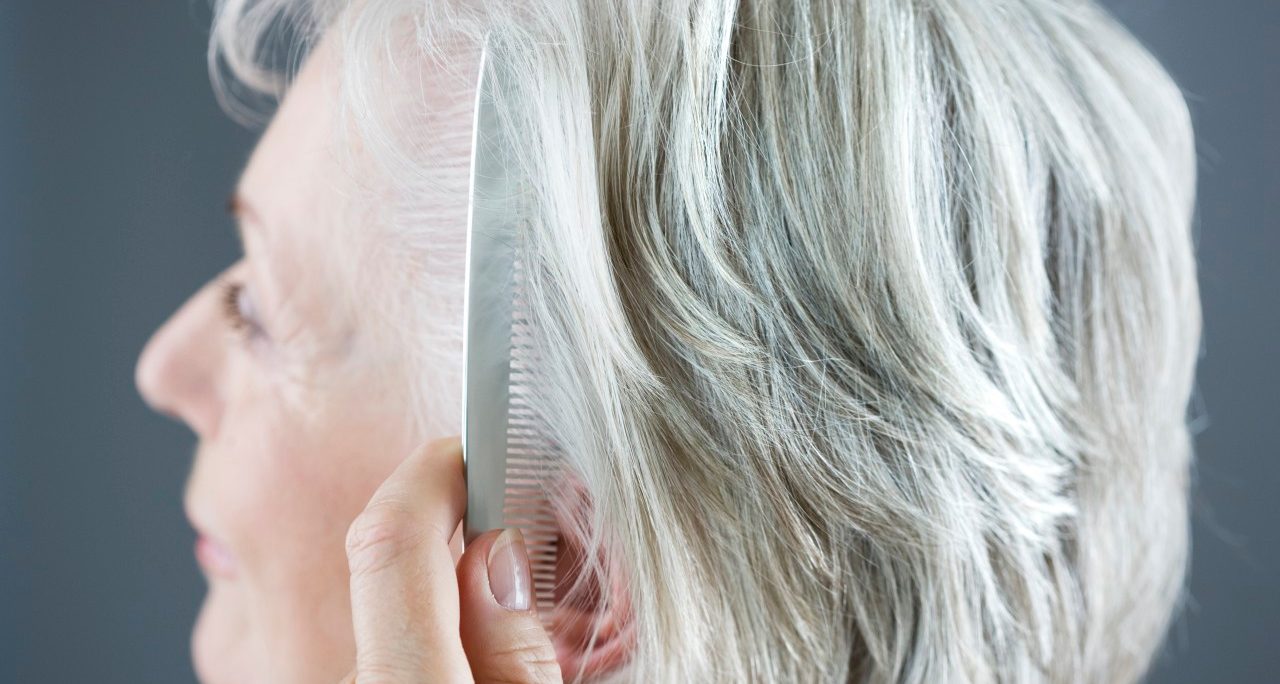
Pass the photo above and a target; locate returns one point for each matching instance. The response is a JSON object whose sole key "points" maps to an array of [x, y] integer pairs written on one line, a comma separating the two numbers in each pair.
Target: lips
{"points": [[211, 553], [214, 558]]}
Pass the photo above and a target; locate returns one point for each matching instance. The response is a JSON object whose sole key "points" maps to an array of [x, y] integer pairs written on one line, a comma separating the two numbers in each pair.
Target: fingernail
{"points": [[509, 578]]}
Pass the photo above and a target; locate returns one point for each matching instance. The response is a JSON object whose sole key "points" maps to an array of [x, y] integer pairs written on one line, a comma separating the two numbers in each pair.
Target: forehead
{"points": [[315, 167], [397, 131], [295, 161], [342, 228]]}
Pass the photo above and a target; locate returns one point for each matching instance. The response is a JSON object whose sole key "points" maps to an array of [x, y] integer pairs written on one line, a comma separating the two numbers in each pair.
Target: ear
{"points": [[593, 627]]}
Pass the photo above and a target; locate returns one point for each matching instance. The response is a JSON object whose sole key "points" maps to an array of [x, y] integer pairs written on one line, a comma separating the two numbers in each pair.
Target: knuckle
{"points": [[379, 535]]}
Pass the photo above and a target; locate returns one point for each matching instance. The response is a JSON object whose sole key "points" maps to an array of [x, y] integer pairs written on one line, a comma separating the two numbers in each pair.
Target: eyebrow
{"points": [[238, 208]]}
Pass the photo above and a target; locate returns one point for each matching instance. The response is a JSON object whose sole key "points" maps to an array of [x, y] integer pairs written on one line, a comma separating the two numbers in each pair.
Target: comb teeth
{"points": [[531, 513], [529, 460]]}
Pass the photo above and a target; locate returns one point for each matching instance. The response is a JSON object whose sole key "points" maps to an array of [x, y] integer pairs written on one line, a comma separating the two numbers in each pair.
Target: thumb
{"points": [[501, 633]]}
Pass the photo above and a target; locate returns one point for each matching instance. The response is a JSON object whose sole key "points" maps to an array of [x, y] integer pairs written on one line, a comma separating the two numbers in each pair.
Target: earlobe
{"points": [[592, 625], [582, 659]]}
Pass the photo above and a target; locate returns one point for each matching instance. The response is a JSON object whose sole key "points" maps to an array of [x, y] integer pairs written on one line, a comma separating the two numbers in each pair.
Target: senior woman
{"points": [[867, 330]]}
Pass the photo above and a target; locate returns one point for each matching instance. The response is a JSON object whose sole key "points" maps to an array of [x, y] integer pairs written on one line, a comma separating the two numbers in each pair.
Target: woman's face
{"points": [[270, 366]]}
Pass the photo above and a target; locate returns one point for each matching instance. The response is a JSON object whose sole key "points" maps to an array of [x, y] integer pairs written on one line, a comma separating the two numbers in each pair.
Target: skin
{"points": [[294, 441]]}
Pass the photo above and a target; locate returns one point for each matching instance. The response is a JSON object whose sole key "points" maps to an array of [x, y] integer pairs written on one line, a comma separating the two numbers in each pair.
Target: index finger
{"points": [[404, 588]]}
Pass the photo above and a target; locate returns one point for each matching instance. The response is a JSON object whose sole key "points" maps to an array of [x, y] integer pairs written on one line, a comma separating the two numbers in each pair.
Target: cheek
{"points": [[284, 489], [300, 486], [287, 490]]}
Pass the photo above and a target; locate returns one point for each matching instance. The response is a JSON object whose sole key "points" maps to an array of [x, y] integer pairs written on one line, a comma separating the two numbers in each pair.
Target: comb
{"points": [[504, 455]]}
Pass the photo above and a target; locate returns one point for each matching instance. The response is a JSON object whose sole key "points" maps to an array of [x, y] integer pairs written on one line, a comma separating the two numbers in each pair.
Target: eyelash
{"points": [[246, 326]]}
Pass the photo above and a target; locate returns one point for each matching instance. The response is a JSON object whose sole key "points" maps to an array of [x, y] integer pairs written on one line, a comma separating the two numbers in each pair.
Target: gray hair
{"points": [[867, 327]]}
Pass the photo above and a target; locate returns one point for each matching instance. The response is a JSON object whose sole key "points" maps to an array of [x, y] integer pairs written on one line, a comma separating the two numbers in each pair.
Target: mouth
{"points": [[213, 556]]}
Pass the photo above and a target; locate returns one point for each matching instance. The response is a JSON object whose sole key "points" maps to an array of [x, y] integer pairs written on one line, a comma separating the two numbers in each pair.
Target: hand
{"points": [[417, 618]]}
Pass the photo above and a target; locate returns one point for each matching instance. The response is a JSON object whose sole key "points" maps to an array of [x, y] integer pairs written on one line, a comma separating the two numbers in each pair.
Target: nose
{"points": [[179, 371]]}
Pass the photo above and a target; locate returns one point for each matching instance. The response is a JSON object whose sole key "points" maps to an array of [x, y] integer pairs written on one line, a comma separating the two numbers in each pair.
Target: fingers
{"points": [[419, 618], [404, 591], [501, 632]]}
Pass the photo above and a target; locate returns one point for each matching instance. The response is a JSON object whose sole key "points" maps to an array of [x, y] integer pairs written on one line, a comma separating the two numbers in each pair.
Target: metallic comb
{"points": [[503, 453]]}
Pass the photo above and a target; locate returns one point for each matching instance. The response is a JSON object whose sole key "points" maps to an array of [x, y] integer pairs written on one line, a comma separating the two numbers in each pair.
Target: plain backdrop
{"points": [[115, 163]]}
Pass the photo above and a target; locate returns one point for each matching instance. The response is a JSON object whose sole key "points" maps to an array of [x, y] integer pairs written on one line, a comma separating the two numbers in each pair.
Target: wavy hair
{"points": [[867, 328]]}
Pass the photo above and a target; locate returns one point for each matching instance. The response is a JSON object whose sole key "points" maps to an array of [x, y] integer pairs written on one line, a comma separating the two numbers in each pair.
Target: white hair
{"points": [[867, 326]]}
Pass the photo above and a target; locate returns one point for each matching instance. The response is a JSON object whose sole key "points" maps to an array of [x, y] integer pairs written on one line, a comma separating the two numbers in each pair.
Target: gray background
{"points": [[114, 166]]}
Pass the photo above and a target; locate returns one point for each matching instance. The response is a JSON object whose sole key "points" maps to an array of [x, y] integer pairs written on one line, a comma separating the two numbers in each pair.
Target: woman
{"points": [[868, 327]]}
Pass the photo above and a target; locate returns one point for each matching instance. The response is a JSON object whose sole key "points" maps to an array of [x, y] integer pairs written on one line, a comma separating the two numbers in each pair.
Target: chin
{"points": [[237, 639], [222, 645]]}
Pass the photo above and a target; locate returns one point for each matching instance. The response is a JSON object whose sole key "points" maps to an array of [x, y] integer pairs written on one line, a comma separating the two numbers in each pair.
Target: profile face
{"points": [[272, 366]]}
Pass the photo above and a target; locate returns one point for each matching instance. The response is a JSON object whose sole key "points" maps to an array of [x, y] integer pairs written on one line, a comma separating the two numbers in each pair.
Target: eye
{"points": [[240, 311]]}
